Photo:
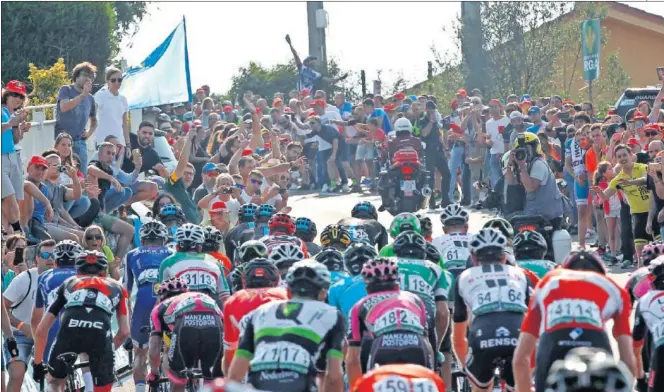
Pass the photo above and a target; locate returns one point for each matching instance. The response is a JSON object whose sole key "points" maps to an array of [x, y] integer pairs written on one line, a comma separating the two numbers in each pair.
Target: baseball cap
{"points": [[389, 107], [309, 58], [166, 127], [305, 92], [17, 87], [277, 102], [462, 92], [247, 152], [200, 90], [534, 110], [455, 128], [632, 142], [496, 101], [228, 109], [399, 96], [639, 116], [515, 114], [318, 102], [38, 160], [208, 167], [218, 207], [198, 123]]}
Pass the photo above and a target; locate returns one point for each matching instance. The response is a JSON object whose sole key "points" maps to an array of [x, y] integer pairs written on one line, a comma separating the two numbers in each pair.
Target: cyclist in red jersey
{"points": [[569, 309], [259, 279], [399, 378]]}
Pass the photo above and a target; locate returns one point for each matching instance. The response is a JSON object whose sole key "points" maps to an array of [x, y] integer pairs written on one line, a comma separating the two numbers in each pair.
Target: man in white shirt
{"points": [[494, 129], [19, 298], [112, 110]]}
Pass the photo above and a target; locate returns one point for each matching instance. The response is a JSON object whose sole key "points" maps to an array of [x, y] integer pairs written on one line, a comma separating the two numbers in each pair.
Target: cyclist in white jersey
{"points": [[453, 245]]}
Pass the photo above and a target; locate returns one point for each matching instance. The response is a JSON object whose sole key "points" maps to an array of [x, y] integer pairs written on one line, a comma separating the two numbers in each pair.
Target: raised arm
{"points": [[298, 62], [184, 156]]}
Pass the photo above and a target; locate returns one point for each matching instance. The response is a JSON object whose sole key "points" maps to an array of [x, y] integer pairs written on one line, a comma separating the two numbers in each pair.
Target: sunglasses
{"points": [[93, 237], [651, 133], [256, 182], [16, 95], [47, 255], [240, 186], [115, 80], [212, 174]]}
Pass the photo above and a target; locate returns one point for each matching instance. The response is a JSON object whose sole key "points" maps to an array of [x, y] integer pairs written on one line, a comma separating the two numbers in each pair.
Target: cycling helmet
{"points": [[529, 244], [410, 244], [66, 251], [247, 212], [403, 125], [584, 261], [252, 249], [153, 230], [356, 255], [589, 369], [380, 270], [652, 251], [235, 278], [91, 262], [259, 273], [529, 139], [656, 271], [308, 277], [501, 225], [433, 254], [488, 239], [404, 221], [305, 229], [213, 239], [426, 225], [335, 234], [281, 223], [331, 258], [285, 252], [171, 211], [265, 212], [364, 210], [189, 235], [454, 215], [171, 287]]}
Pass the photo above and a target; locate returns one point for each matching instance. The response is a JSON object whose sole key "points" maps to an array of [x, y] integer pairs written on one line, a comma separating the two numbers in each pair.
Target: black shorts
{"points": [[639, 221], [555, 345], [656, 379], [83, 332], [196, 336], [401, 347], [492, 339]]}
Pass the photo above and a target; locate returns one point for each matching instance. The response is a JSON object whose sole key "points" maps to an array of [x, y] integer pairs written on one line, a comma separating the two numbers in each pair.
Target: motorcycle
{"points": [[403, 183], [559, 242]]}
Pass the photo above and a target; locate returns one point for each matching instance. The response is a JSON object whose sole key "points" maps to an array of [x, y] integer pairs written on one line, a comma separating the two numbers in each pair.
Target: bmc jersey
{"points": [[490, 288], [577, 299], [368, 230], [538, 267], [649, 316], [387, 312], [347, 292], [164, 315], [454, 250], [94, 293], [202, 272], [398, 378], [47, 291], [424, 279]]}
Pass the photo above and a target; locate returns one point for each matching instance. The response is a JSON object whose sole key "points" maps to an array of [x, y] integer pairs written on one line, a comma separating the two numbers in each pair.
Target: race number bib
{"points": [[415, 284], [394, 383], [281, 356], [400, 318], [199, 279], [357, 234], [148, 276], [573, 310], [498, 294]]}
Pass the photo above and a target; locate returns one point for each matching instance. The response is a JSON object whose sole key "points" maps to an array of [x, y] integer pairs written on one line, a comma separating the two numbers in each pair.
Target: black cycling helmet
{"points": [[91, 262], [356, 255], [264, 213], [410, 244], [426, 224], [589, 369], [213, 239], [364, 210], [171, 212], [501, 225], [584, 261], [331, 258], [259, 273], [433, 254], [305, 229], [656, 271], [308, 277], [247, 213], [66, 252], [235, 278], [529, 244]]}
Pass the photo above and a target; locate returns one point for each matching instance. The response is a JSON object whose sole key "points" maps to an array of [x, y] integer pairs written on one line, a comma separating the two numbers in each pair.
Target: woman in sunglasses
{"points": [[94, 239]]}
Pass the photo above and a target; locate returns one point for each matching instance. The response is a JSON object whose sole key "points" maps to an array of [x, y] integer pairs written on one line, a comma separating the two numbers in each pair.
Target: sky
{"points": [[395, 37]]}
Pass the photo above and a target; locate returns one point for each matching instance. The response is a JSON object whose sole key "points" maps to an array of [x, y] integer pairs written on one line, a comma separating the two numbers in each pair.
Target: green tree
{"points": [[46, 84]]}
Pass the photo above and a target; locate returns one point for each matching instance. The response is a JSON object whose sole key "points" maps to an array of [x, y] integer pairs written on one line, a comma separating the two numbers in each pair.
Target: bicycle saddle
{"points": [[68, 358]]}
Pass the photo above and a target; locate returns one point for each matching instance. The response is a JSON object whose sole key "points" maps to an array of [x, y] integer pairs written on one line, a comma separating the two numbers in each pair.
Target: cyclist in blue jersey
{"points": [[65, 253], [305, 229], [142, 268], [348, 291], [334, 261]]}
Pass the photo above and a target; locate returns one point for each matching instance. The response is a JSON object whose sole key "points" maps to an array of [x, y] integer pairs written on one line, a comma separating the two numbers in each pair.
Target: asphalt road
{"points": [[330, 209]]}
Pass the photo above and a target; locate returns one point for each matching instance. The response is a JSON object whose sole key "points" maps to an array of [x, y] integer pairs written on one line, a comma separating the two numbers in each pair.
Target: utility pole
{"points": [[317, 22]]}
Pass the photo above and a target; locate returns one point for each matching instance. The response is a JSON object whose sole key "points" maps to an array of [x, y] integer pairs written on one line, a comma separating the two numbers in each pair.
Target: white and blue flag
{"points": [[163, 77]]}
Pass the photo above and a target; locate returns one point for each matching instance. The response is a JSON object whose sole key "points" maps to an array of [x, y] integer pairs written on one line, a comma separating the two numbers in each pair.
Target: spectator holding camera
{"points": [[62, 225], [36, 207]]}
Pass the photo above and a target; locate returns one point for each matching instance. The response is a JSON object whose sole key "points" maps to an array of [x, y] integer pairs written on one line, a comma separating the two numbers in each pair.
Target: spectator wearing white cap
{"points": [[518, 124]]}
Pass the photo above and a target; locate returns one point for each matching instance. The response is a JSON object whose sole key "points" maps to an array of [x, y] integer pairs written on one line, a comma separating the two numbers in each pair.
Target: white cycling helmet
{"points": [[252, 249], [285, 252], [66, 252], [190, 233], [153, 229], [454, 214], [403, 125], [487, 239]]}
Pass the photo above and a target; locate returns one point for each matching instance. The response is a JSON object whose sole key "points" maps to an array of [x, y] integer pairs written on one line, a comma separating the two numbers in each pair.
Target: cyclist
{"points": [[260, 279], [211, 244], [569, 309], [589, 369], [335, 236], [88, 302], [201, 271], [281, 230], [392, 377], [649, 317], [142, 268], [195, 325], [263, 215], [235, 278], [243, 232], [350, 290], [305, 229], [496, 295], [173, 217], [402, 222], [453, 245], [252, 249], [507, 230], [426, 225], [283, 257], [333, 260], [304, 333], [529, 250], [397, 321], [363, 224], [65, 253], [637, 285]]}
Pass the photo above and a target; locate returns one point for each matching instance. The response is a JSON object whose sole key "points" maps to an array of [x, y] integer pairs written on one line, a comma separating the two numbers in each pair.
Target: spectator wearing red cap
{"points": [[13, 126], [35, 198], [220, 217]]}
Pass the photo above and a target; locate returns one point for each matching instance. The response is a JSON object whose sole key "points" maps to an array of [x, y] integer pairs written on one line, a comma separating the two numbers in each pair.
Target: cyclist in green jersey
{"points": [[423, 278], [529, 250], [400, 223]]}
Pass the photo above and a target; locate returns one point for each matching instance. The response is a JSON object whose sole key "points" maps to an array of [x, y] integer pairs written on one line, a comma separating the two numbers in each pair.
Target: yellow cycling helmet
{"points": [[528, 139]]}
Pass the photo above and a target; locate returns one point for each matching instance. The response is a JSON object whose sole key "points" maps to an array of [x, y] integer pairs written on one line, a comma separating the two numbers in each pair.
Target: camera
{"points": [[520, 154], [62, 169], [226, 191]]}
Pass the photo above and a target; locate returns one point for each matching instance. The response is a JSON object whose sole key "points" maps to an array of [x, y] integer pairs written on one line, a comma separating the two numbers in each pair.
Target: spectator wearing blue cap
{"points": [[306, 76], [210, 172], [535, 116]]}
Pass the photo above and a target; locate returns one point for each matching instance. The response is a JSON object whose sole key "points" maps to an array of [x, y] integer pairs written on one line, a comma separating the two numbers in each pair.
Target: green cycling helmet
{"points": [[405, 221], [501, 225]]}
